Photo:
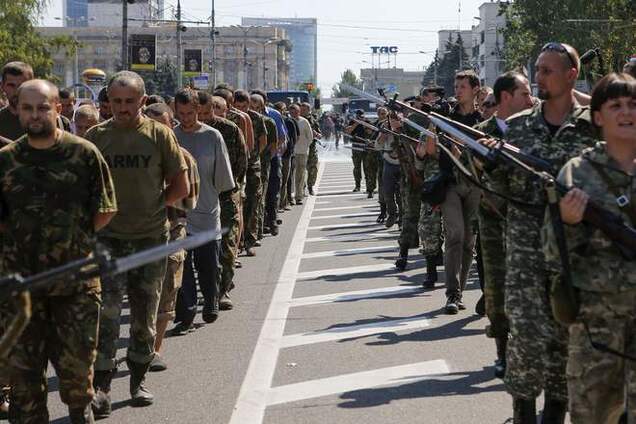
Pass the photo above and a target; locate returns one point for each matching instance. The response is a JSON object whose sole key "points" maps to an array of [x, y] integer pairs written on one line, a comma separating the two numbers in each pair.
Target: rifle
{"points": [[100, 264], [359, 144], [611, 224]]}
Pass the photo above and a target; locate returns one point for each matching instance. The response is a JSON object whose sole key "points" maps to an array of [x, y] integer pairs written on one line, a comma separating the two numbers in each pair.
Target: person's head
{"points": [[104, 105], [226, 95], [161, 113], [154, 98], [383, 113], [488, 106], [557, 69], [220, 106], [206, 110], [241, 100], [359, 113], [257, 102], [261, 93], [186, 104], [67, 99], [512, 93], [38, 108], [85, 117], [630, 67], [466, 87], [430, 95], [281, 107], [294, 111], [144, 55], [13, 75], [482, 93], [613, 107], [127, 96], [305, 109]]}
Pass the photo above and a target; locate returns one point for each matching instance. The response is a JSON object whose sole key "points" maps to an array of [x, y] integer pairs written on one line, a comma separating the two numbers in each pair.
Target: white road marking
{"points": [[342, 226], [347, 332], [348, 215], [251, 402], [337, 272], [400, 375], [343, 194], [353, 296], [359, 237], [340, 208], [345, 252]]}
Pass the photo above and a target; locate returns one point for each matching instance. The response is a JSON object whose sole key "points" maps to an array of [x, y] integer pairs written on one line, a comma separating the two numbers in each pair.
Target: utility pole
{"points": [[264, 67], [124, 35], [245, 58], [213, 41], [179, 47], [435, 69]]}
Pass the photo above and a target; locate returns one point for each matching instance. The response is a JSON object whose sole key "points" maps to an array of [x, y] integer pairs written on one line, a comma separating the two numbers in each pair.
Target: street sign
{"points": [[201, 82]]}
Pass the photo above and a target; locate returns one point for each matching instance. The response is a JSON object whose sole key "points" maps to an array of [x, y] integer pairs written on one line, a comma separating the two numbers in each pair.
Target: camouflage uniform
{"points": [[536, 352], [491, 214], [48, 225], [312, 156], [430, 223], [230, 202], [599, 382], [253, 187], [370, 164]]}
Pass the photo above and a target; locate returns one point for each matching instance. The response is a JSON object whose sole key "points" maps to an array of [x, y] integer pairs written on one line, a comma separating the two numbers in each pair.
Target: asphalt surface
{"points": [[325, 330]]}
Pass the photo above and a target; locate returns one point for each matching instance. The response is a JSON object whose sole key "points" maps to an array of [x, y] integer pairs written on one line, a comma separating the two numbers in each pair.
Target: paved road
{"points": [[326, 331]]}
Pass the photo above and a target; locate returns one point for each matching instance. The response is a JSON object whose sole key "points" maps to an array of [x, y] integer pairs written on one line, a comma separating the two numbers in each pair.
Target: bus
{"points": [[288, 97]]}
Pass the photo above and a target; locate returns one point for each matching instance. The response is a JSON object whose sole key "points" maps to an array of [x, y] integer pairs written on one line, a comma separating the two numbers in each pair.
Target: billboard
{"points": [[143, 52], [192, 62]]}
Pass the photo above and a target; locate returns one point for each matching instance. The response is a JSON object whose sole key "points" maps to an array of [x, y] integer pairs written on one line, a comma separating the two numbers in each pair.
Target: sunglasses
{"points": [[559, 48]]}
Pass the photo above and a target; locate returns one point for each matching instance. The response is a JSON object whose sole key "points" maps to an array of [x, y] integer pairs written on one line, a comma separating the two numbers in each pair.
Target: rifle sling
{"points": [[630, 208]]}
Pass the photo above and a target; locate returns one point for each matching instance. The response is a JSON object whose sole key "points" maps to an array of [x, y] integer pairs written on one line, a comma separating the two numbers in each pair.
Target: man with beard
{"points": [[13, 75], [56, 191]]}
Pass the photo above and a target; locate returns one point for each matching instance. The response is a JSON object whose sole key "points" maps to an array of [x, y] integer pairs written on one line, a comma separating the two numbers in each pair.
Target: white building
{"points": [[488, 43], [393, 80], [446, 35]]}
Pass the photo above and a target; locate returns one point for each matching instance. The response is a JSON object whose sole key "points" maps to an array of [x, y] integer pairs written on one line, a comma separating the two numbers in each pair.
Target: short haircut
{"points": [[128, 79], [219, 101], [225, 94], [186, 96], [294, 106], [17, 69], [568, 53], [27, 85], [507, 82], [65, 93], [257, 98], [103, 95], [305, 104], [205, 98], [280, 106], [224, 86], [155, 98], [610, 87], [86, 111], [261, 93], [241, 96], [158, 109], [470, 75]]}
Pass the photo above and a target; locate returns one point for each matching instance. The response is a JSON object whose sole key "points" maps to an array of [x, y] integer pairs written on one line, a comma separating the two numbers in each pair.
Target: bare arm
{"points": [[101, 219], [177, 187]]}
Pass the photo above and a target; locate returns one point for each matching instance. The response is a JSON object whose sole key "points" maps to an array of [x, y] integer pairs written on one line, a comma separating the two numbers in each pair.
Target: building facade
{"points": [[488, 43], [107, 13], [393, 80], [259, 58], [450, 35], [303, 35]]}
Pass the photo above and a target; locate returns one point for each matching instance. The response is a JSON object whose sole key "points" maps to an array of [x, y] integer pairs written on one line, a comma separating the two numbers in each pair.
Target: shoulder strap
{"points": [[628, 207]]}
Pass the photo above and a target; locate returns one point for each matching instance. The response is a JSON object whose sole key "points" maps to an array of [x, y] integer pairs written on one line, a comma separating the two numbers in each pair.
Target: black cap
{"points": [[359, 112]]}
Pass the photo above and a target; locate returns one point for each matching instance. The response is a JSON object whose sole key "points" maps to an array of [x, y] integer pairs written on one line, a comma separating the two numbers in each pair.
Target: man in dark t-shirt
{"points": [[13, 75]]}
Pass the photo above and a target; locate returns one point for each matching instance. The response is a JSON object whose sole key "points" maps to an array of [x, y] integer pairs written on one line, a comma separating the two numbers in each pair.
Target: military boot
{"points": [[390, 221], [382, 215], [139, 395], [524, 411], [402, 260], [101, 402], [431, 272], [81, 415], [500, 362], [553, 410]]}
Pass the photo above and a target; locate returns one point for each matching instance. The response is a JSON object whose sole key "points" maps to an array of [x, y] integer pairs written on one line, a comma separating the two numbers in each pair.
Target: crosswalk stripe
{"points": [[342, 194], [347, 252], [310, 275], [346, 215], [342, 226], [357, 237], [341, 208], [399, 375], [356, 295], [351, 331]]}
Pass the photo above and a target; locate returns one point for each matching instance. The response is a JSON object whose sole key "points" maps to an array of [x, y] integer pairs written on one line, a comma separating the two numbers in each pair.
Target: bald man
{"points": [[70, 196]]}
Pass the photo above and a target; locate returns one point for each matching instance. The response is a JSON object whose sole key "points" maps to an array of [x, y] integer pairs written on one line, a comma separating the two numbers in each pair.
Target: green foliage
{"points": [[348, 77], [610, 26], [20, 41], [163, 80]]}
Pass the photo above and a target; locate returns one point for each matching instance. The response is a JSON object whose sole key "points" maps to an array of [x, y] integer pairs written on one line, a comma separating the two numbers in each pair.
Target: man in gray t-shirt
{"points": [[207, 147]]}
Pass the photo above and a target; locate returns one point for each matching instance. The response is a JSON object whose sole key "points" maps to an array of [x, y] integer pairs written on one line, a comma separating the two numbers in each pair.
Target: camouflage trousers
{"points": [[358, 159], [250, 206], [536, 354], [370, 164], [410, 215], [265, 168], [598, 382], [312, 165], [229, 243], [143, 287], [63, 330], [173, 278], [430, 229], [285, 182], [493, 253]]}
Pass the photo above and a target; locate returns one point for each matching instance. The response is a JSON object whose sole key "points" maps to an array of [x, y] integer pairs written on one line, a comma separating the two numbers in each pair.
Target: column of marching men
{"points": [[133, 171], [496, 217], [141, 170]]}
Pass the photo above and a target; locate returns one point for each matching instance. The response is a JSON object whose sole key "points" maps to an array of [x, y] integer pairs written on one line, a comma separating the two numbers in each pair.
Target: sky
{"points": [[346, 28]]}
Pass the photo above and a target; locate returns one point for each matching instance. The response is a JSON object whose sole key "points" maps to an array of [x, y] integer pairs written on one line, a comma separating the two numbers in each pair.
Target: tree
{"points": [[348, 77], [448, 65], [605, 24], [20, 41]]}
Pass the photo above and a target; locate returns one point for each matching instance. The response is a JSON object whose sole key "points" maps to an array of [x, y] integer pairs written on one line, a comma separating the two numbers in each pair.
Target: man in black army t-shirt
{"points": [[13, 75]]}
